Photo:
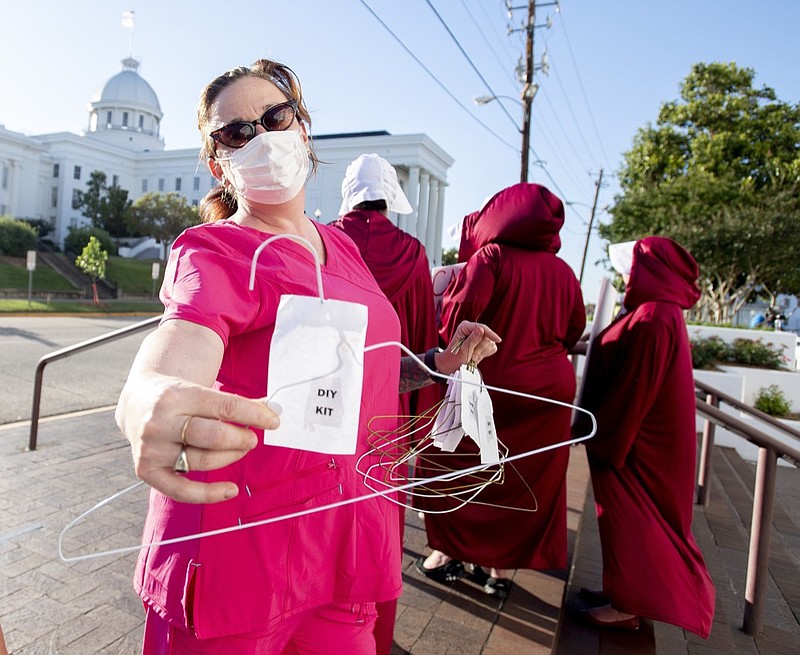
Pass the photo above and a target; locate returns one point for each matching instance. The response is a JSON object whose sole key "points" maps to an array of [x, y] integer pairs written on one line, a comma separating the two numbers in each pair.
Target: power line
{"points": [[436, 79], [549, 176], [544, 132], [457, 101], [565, 135], [466, 56], [583, 90], [569, 104], [503, 65]]}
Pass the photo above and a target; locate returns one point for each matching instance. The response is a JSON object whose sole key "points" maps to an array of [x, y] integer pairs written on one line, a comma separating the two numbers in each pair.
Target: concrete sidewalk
{"points": [[86, 607]]}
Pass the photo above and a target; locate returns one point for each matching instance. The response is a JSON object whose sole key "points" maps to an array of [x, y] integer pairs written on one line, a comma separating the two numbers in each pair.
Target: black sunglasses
{"points": [[276, 119]]}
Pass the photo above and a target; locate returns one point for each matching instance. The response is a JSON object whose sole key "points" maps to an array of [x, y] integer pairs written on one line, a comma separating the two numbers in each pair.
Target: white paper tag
{"points": [[477, 415], [316, 373], [447, 431], [447, 423]]}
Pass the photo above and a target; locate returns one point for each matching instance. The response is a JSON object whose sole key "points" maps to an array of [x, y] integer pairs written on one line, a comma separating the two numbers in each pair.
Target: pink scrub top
{"points": [[248, 580]]}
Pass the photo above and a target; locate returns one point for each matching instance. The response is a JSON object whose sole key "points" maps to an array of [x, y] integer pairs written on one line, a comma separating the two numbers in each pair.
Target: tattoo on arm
{"points": [[412, 375]]}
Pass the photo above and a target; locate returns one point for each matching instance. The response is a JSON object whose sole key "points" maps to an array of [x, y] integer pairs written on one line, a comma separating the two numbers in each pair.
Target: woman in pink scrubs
{"points": [[192, 413]]}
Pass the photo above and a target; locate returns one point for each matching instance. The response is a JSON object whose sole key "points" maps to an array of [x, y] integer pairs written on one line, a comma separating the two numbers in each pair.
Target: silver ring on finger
{"points": [[181, 464]]}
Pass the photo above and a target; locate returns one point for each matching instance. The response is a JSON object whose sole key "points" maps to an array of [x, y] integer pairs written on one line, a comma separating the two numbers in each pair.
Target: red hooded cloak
{"points": [[515, 283], [640, 386]]}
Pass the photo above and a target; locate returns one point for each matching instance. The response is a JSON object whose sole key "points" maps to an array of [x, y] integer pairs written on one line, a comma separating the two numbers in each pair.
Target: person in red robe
{"points": [[396, 259], [400, 265], [515, 282], [640, 387]]}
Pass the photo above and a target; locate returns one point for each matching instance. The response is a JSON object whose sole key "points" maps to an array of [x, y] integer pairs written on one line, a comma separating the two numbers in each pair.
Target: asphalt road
{"points": [[86, 380]]}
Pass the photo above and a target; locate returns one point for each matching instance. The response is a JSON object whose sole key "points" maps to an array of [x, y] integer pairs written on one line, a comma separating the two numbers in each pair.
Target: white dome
{"points": [[128, 88], [125, 111]]}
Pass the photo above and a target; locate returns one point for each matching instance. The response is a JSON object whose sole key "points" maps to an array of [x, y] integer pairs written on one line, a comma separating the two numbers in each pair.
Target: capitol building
{"points": [[41, 175]]}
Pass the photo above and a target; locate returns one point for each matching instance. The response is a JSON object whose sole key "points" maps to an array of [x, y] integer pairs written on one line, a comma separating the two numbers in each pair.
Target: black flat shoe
{"points": [[498, 587], [443, 574], [478, 575]]}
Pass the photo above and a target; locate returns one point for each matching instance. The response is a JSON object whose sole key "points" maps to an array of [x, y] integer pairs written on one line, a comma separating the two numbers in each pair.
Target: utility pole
{"points": [[591, 220], [527, 96]]}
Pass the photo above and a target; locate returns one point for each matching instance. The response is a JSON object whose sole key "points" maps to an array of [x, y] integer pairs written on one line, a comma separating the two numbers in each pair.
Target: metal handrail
{"points": [[72, 350], [770, 449], [738, 404]]}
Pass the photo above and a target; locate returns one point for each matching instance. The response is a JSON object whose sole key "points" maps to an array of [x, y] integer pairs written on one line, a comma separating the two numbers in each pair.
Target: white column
{"points": [[437, 261], [430, 236], [422, 209], [408, 222], [10, 191]]}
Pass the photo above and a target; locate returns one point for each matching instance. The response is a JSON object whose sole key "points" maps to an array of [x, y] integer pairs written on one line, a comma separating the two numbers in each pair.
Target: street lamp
{"points": [[528, 93], [485, 100]]}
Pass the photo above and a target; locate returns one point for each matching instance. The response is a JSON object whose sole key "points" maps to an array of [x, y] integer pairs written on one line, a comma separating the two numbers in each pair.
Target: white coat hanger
{"points": [[369, 477]]}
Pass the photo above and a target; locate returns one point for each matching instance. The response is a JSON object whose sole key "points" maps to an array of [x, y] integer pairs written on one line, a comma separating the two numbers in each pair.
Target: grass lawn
{"points": [[132, 276], [14, 275]]}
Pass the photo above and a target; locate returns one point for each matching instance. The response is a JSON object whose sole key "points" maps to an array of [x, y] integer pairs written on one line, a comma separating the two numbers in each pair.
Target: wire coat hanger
{"points": [[390, 490]]}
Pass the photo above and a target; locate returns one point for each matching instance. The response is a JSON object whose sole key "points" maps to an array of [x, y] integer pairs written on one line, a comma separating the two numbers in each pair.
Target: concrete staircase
{"points": [[64, 267]]}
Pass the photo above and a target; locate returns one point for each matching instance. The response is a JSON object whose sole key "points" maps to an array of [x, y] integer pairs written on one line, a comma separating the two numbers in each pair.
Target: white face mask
{"points": [[271, 169]]}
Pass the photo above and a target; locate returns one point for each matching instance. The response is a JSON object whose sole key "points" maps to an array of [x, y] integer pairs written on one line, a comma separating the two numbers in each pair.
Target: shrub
{"points": [[16, 237], [449, 256], [713, 351], [708, 353], [771, 400], [41, 225], [756, 353], [78, 237]]}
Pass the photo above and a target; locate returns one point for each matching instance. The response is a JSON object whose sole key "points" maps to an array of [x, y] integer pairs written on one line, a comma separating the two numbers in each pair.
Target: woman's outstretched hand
{"points": [[169, 418], [176, 423]]}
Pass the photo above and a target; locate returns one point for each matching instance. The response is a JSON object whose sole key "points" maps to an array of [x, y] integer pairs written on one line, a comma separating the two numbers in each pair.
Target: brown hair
{"points": [[372, 205], [219, 203]]}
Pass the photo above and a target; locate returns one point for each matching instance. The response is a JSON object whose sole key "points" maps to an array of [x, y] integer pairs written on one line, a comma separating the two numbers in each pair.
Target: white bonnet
{"points": [[370, 177]]}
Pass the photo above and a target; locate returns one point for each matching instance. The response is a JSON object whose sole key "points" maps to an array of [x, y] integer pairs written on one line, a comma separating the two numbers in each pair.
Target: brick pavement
{"points": [[87, 607], [723, 537], [51, 607], [46, 605]]}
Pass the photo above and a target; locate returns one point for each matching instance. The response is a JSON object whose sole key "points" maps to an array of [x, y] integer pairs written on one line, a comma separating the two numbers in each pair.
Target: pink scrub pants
{"points": [[335, 629]]}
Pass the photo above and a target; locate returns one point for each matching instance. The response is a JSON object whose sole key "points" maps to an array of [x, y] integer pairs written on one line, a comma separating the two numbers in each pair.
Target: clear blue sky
{"points": [[612, 63]]}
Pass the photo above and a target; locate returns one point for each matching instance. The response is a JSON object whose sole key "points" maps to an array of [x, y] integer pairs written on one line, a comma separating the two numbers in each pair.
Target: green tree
{"points": [[449, 256], [92, 261], [41, 225], [78, 237], [719, 173], [161, 216], [115, 219], [106, 206]]}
